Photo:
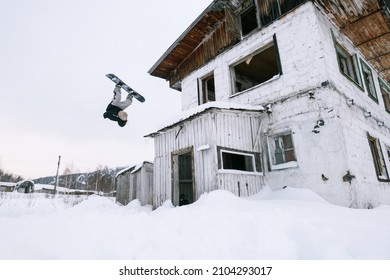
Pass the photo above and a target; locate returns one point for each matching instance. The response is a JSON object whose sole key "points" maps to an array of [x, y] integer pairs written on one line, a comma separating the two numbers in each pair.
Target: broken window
{"points": [[379, 162], [248, 20], [207, 89], [270, 10], [230, 159], [281, 149], [347, 64], [386, 94], [369, 81], [256, 68]]}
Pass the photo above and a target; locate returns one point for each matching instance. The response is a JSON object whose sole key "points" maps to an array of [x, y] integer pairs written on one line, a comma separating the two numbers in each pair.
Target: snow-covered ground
{"points": [[287, 224]]}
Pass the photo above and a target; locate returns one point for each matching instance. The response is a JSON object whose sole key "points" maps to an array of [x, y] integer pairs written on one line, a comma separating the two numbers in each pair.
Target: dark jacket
{"points": [[112, 114]]}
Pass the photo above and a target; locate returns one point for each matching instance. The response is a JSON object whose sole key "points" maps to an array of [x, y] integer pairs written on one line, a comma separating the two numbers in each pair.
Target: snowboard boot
{"points": [[117, 89]]}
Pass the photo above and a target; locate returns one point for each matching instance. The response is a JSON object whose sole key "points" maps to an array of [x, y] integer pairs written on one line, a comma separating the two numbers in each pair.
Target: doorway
{"points": [[183, 192]]}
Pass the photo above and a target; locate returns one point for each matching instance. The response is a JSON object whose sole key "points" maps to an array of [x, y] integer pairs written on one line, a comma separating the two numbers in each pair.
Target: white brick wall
{"points": [[308, 59]]}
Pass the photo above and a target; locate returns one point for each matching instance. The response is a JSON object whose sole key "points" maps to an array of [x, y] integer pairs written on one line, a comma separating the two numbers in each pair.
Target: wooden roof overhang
{"points": [[367, 24], [186, 44]]}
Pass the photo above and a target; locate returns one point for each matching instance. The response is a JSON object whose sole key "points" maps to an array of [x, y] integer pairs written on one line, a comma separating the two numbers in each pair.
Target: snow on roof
{"points": [[133, 168], [204, 107], [7, 184]]}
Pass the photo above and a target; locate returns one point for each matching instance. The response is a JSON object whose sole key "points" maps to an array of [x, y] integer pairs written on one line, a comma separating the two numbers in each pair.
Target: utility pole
{"points": [[58, 168]]}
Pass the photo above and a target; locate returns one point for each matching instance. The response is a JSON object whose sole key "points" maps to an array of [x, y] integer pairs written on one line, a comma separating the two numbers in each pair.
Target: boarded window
{"points": [[281, 149], [377, 156], [256, 68], [385, 94], [369, 81], [207, 89], [347, 64]]}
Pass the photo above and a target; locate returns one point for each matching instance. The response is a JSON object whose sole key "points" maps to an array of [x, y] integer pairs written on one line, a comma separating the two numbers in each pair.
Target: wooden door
{"points": [[183, 178]]}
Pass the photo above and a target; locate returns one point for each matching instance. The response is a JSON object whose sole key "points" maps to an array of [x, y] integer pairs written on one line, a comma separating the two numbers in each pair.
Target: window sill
{"points": [[233, 171], [356, 83], [287, 165], [256, 86]]}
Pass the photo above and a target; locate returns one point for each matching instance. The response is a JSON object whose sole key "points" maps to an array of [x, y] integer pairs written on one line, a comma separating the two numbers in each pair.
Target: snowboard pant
{"points": [[116, 100]]}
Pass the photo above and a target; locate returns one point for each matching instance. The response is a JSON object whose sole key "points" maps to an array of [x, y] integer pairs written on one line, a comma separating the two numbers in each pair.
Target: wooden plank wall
{"points": [[137, 185], [222, 36], [123, 189], [235, 130]]}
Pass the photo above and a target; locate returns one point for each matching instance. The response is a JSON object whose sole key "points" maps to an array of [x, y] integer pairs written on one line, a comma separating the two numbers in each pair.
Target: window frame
{"points": [[378, 159], [203, 92], [254, 158], [246, 10], [369, 84], [233, 72], [351, 64], [385, 91], [272, 152]]}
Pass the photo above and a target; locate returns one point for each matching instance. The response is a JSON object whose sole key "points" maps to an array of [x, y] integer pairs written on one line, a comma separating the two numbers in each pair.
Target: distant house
{"points": [[318, 73], [7, 187], [135, 182]]}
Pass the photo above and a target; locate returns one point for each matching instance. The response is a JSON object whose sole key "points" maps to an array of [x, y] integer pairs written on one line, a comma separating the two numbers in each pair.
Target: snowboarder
{"points": [[115, 110]]}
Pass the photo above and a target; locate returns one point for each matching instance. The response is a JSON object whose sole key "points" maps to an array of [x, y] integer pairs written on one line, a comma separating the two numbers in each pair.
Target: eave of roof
{"points": [[187, 41], [199, 110]]}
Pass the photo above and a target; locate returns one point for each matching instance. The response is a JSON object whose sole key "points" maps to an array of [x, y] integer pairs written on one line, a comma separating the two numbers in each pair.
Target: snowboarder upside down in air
{"points": [[115, 110]]}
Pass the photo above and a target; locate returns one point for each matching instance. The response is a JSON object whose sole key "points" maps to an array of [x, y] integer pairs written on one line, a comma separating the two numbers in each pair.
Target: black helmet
{"points": [[122, 123]]}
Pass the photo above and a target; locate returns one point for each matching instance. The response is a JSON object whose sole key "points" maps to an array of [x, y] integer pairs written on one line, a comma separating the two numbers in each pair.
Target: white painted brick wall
{"points": [[308, 58]]}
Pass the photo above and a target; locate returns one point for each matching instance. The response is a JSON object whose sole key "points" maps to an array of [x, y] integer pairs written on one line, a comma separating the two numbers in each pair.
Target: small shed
{"points": [[135, 182], [211, 147]]}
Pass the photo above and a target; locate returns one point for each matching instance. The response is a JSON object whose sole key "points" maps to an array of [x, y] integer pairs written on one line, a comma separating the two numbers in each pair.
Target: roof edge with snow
{"points": [[193, 112]]}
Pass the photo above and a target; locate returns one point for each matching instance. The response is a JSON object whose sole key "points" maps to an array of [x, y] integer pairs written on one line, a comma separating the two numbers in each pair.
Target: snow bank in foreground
{"points": [[286, 224]]}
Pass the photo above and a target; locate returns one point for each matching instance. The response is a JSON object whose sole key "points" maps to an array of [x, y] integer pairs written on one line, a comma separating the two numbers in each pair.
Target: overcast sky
{"points": [[54, 55]]}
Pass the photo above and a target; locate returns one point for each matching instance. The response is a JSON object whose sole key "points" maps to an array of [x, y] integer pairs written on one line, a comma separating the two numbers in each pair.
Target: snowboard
{"points": [[123, 85]]}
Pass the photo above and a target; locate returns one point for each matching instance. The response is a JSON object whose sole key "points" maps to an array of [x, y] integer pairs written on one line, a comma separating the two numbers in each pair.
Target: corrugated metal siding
{"points": [[228, 128]]}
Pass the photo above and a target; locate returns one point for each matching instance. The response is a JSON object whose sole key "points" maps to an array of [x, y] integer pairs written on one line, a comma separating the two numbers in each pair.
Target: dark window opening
{"points": [[256, 69], [269, 11], [248, 21], [237, 161]]}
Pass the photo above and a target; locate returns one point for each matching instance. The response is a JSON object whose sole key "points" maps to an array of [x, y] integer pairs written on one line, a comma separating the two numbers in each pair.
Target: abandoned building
{"points": [[279, 93]]}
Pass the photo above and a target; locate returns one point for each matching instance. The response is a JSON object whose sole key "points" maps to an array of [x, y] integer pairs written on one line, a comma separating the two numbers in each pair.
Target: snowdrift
{"points": [[287, 224]]}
